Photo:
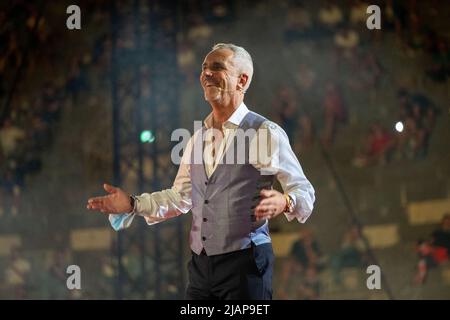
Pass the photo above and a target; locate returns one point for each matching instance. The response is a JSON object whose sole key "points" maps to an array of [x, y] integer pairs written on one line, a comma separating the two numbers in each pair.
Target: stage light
{"points": [[399, 126], [147, 136]]}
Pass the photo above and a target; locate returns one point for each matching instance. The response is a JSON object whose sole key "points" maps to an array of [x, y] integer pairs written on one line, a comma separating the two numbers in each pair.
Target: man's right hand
{"points": [[116, 202]]}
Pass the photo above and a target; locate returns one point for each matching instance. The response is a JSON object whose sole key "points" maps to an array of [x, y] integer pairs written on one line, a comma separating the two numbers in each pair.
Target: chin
{"points": [[212, 97]]}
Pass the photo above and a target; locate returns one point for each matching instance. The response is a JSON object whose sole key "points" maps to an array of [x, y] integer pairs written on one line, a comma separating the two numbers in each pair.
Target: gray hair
{"points": [[242, 58]]}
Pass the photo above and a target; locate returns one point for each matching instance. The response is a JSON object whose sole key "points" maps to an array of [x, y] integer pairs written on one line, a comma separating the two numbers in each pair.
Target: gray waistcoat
{"points": [[223, 217]]}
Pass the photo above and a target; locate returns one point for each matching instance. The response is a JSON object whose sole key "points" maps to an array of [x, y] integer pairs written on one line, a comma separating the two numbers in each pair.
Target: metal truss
{"points": [[144, 79]]}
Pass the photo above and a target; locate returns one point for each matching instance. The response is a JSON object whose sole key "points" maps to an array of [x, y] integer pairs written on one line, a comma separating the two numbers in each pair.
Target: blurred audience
{"points": [[17, 273], [358, 13], [330, 17], [27, 132], [439, 70], [378, 147], [352, 253], [57, 276], [285, 104], [299, 276], [335, 113], [306, 134], [298, 23], [434, 251]]}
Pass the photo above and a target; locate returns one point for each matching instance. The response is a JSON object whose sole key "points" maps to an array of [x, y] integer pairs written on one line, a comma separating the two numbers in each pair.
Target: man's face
{"points": [[219, 76]]}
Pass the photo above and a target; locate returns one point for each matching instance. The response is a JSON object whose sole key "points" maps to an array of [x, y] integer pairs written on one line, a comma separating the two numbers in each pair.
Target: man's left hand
{"points": [[271, 204]]}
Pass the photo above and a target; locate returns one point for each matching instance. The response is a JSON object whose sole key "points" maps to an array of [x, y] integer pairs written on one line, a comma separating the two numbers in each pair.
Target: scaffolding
{"points": [[144, 80]]}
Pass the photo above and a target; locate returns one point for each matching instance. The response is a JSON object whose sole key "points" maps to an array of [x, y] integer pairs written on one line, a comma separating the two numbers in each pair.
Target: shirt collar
{"points": [[235, 119]]}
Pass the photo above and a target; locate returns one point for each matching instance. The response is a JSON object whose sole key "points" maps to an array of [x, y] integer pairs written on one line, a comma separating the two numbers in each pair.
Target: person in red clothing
{"points": [[434, 251], [335, 113], [379, 143]]}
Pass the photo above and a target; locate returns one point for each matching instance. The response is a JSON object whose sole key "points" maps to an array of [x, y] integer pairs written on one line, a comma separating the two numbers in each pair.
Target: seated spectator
{"points": [[441, 236], [404, 103], [10, 136], [351, 254], [379, 145], [335, 113], [346, 41], [358, 13], [219, 11], [366, 71], [298, 23], [17, 273], [309, 286], [305, 77], [77, 81], [41, 30], [299, 274], [57, 274], [411, 141], [108, 272], [428, 124], [330, 17], [389, 21], [306, 132], [439, 71], [416, 35], [423, 112], [434, 251], [285, 106], [396, 17], [199, 31], [11, 187]]}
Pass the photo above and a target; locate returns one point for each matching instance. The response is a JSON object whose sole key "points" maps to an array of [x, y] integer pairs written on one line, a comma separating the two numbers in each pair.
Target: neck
{"points": [[223, 111]]}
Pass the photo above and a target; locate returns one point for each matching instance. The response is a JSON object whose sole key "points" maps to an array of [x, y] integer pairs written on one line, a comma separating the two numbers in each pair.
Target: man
{"points": [[232, 255]]}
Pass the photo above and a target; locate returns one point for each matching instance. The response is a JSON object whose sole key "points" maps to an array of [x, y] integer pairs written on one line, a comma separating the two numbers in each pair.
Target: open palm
{"points": [[117, 201]]}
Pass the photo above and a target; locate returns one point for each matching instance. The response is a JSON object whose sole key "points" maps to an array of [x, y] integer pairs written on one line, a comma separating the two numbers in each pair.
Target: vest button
{"points": [[206, 201], [204, 219], [206, 183], [203, 238]]}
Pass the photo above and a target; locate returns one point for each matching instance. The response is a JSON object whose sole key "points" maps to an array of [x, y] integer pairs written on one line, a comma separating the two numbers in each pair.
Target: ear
{"points": [[243, 78]]}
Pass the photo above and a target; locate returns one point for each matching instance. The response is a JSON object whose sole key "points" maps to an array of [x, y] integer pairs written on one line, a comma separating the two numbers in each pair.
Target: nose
{"points": [[206, 76], [207, 72]]}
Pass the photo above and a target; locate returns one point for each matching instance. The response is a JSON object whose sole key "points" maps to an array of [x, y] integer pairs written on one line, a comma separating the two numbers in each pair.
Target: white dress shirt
{"points": [[162, 205]]}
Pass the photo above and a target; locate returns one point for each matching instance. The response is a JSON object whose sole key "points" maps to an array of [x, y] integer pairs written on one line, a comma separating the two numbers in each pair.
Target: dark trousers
{"points": [[244, 274]]}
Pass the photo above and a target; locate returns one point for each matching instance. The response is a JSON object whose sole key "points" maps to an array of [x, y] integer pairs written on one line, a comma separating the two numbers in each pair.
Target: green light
{"points": [[147, 136]]}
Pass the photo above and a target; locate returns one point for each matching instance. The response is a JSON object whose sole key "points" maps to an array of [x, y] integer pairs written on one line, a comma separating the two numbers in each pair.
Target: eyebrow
{"points": [[215, 64]]}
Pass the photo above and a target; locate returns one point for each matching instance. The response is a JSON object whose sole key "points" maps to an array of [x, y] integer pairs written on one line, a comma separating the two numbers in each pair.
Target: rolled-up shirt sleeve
{"points": [[285, 165]]}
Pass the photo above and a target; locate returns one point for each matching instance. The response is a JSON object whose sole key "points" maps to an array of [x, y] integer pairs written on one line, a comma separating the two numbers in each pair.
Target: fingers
{"points": [[110, 189], [98, 203], [265, 211], [94, 204], [266, 202], [267, 193], [106, 203], [266, 208]]}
